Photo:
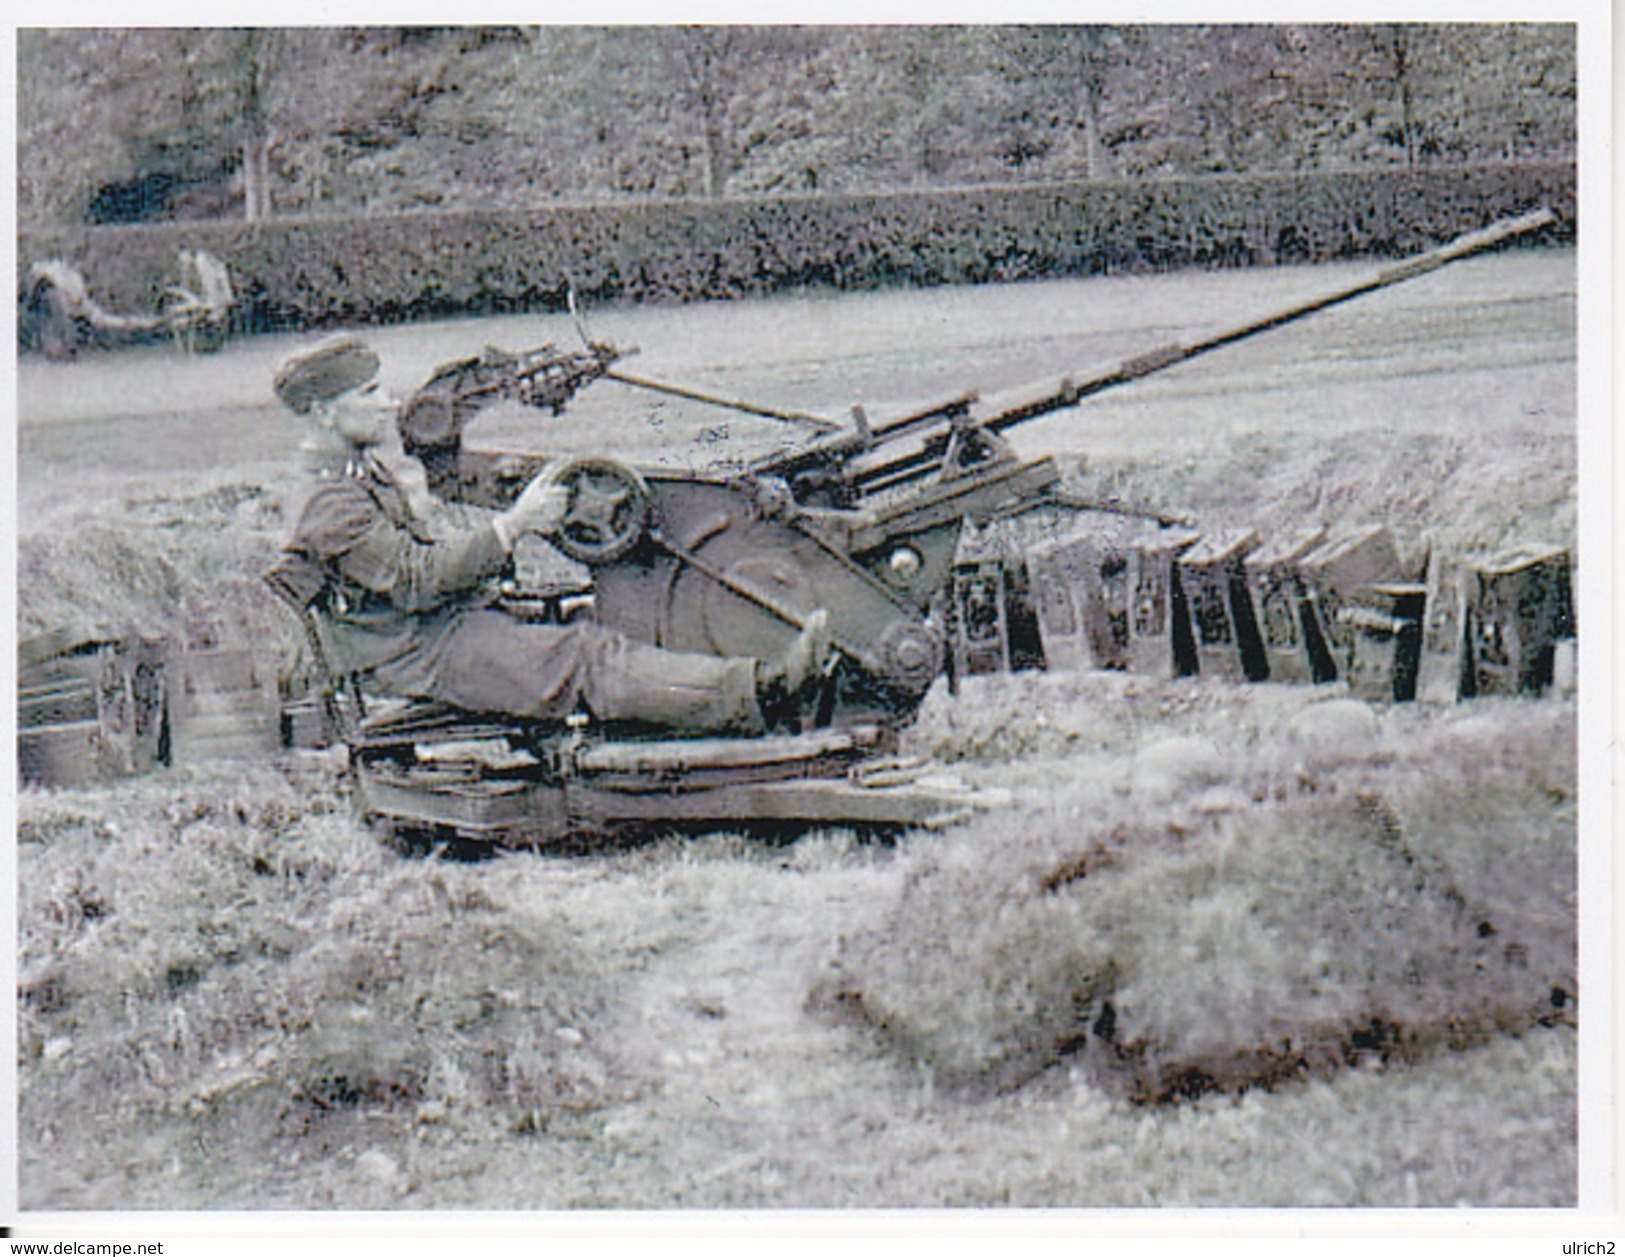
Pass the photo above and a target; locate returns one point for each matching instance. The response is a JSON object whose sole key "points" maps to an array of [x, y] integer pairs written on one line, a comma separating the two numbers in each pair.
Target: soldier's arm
{"points": [[346, 527]]}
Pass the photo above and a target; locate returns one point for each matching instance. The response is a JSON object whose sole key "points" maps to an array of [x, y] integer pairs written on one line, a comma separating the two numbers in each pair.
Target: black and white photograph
{"points": [[793, 620]]}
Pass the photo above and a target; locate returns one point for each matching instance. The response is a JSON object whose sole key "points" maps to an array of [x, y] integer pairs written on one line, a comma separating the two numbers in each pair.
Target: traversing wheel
{"points": [[607, 512]]}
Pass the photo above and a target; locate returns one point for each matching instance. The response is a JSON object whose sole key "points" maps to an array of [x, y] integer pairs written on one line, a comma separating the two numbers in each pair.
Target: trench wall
{"points": [[313, 272]]}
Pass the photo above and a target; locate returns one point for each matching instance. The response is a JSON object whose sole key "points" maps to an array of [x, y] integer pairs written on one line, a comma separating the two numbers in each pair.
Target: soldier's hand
{"points": [[539, 508]]}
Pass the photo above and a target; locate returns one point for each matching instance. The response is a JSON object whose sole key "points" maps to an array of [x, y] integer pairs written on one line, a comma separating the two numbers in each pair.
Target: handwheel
{"points": [[607, 512], [428, 421]]}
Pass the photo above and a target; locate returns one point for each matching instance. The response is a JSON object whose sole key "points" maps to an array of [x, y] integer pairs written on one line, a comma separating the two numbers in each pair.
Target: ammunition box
{"points": [[981, 626], [1160, 639], [1517, 607], [1213, 577], [1344, 572], [1081, 597], [89, 708], [1275, 586], [1384, 641]]}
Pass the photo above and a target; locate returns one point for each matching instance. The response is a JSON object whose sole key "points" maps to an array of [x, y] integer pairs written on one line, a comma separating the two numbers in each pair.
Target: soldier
{"points": [[414, 611]]}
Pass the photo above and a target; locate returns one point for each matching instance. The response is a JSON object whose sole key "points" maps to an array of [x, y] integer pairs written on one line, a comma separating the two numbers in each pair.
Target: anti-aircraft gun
{"points": [[864, 520]]}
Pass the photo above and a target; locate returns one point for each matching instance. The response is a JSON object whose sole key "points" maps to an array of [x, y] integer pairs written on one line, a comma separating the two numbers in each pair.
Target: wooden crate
{"points": [[1160, 640], [223, 705], [89, 707], [1080, 590], [1342, 574]]}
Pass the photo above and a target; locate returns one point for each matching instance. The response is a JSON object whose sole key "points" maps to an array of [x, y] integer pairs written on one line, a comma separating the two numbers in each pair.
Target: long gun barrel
{"points": [[923, 439], [1067, 393]]}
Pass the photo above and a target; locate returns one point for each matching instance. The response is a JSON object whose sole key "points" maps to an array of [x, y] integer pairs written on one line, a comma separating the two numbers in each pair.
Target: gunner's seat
{"points": [[376, 725]]}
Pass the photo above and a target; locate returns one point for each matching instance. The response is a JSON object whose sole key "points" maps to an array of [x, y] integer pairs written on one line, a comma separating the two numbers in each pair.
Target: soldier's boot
{"points": [[674, 691], [697, 693], [704, 694]]}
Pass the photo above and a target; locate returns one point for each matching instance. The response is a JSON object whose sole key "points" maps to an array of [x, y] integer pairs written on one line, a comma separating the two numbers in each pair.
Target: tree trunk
{"points": [[256, 177], [1399, 45], [716, 158], [709, 79], [1096, 162], [253, 55]]}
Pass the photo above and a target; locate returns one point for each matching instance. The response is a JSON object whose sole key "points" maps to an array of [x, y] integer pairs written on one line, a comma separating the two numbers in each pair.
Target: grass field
{"points": [[1229, 945]]}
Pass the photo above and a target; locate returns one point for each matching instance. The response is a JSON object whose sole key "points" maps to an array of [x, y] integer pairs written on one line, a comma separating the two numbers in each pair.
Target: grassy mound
{"points": [[1428, 486], [1239, 902], [227, 954], [183, 566]]}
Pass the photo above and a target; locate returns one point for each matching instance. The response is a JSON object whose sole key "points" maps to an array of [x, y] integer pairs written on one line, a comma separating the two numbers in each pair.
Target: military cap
{"points": [[325, 371]]}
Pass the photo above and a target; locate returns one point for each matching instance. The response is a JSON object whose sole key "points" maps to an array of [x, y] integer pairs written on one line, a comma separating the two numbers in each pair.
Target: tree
{"points": [[1060, 82], [347, 119], [708, 79], [1395, 41], [1239, 90], [254, 52]]}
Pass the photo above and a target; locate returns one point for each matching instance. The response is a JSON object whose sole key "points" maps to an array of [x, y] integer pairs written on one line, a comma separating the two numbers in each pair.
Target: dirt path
{"points": [[756, 1094], [824, 352]]}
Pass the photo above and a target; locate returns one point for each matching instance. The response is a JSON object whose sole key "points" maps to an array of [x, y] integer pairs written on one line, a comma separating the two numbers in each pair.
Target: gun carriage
{"points": [[57, 314], [879, 523]]}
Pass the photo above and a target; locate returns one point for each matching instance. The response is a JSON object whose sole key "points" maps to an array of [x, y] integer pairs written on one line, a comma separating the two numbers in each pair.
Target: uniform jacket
{"points": [[382, 581]]}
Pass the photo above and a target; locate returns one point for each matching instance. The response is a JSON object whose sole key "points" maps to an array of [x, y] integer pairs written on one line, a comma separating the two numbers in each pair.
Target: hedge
{"points": [[314, 272]]}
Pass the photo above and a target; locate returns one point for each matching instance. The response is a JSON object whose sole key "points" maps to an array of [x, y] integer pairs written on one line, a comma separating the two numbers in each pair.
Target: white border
{"points": [[1601, 689]]}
